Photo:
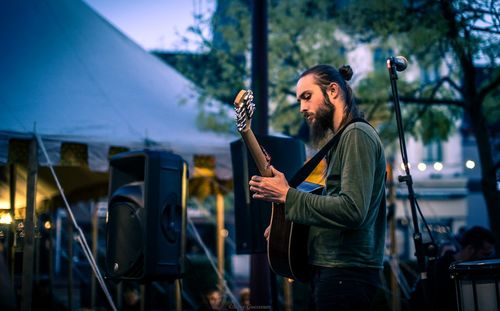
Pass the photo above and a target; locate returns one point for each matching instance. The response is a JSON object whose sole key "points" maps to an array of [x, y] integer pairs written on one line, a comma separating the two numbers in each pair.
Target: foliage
{"points": [[303, 33], [452, 46], [456, 44]]}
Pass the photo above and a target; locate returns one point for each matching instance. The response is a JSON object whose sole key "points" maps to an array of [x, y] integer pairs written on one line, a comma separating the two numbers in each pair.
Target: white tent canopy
{"points": [[71, 76]]}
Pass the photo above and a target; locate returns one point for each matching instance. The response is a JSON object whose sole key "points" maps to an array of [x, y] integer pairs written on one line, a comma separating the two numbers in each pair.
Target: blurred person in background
{"points": [[477, 243], [212, 300]]}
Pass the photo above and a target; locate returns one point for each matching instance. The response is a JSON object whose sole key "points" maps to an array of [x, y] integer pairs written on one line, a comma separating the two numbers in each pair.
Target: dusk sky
{"points": [[153, 24]]}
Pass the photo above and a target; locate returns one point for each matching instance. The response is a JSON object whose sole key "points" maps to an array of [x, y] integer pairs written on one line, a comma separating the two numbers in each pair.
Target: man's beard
{"points": [[321, 129]]}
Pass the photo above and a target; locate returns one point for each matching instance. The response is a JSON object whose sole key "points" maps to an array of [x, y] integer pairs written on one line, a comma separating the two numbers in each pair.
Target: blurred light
{"points": [[4, 205], [403, 166], [5, 218], [47, 225], [421, 166], [470, 164], [224, 233], [438, 166]]}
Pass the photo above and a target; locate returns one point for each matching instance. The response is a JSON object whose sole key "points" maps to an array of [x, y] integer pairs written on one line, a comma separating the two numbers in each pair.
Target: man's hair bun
{"points": [[346, 72]]}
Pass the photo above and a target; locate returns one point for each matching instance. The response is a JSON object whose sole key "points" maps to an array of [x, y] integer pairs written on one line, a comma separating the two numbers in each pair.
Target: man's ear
{"points": [[333, 91]]}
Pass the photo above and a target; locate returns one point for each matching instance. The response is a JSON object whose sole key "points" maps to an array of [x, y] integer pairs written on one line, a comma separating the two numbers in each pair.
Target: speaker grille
{"points": [[124, 235]]}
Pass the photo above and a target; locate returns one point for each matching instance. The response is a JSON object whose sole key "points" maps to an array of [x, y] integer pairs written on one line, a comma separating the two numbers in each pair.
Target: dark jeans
{"points": [[344, 288]]}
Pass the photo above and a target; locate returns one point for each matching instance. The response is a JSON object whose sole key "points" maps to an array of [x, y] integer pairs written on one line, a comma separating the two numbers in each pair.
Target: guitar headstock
{"points": [[244, 107]]}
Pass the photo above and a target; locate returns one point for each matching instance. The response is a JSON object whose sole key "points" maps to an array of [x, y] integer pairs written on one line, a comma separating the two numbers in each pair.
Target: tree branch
{"points": [[488, 30], [443, 80], [488, 88], [453, 84], [471, 9], [432, 101]]}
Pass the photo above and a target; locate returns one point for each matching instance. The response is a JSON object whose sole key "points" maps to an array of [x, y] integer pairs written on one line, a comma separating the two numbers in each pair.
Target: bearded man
{"points": [[348, 221]]}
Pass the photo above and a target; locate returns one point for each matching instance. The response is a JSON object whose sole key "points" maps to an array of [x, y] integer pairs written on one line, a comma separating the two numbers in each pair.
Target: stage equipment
{"points": [[425, 252], [253, 216], [146, 221], [399, 62], [477, 284]]}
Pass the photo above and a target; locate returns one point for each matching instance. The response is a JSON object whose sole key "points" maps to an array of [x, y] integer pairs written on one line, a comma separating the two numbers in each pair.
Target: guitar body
{"points": [[287, 248]]}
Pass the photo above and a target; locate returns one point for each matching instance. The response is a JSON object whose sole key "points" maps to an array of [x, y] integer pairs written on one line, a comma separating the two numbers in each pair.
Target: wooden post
{"points": [[12, 231], [51, 246], [395, 301], [69, 227], [220, 238], [287, 293], [36, 254], [29, 228], [95, 236], [178, 295]]}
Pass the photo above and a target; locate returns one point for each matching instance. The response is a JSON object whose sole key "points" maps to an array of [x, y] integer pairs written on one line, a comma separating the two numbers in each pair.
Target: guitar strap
{"points": [[307, 168]]}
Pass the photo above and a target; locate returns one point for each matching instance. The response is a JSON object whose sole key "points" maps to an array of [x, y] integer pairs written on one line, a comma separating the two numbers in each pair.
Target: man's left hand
{"points": [[272, 189]]}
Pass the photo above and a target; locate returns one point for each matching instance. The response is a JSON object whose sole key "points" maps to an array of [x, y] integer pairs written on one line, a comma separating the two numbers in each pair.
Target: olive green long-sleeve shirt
{"points": [[348, 221]]}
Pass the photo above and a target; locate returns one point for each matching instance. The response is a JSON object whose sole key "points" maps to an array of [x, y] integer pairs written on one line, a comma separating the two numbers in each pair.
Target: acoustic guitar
{"points": [[287, 245]]}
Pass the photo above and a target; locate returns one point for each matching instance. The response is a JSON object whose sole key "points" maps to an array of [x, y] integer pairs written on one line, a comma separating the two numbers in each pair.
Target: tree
{"points": [[462, 38], [293, 46], [448, 39]]}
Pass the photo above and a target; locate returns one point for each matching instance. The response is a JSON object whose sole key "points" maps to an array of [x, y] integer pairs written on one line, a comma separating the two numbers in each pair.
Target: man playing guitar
{"points": [[348, 221]]}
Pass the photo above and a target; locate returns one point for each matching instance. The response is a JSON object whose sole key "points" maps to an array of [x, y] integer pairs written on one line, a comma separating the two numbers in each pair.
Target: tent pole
{"points": [[94, 252], [287, 294], [391, 200], [28, 249], [51, 245], [178, 295], [37, 255], [262, 281], [69, 228], [12, 232], [220, 239]]}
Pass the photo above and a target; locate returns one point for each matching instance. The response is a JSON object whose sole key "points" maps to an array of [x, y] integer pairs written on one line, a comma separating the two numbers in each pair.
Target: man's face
{"points": [[214, 299], [317, 110], [484, 252]]}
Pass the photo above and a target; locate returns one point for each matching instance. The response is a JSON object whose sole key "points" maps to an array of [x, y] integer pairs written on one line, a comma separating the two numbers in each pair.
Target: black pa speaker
{"points": [[146, 221], [253, 216]]}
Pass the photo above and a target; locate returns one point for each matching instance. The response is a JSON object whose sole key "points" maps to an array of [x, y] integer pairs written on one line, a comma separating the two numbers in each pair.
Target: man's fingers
{"points": [[256, 178], [275, 171], [257, 196]]}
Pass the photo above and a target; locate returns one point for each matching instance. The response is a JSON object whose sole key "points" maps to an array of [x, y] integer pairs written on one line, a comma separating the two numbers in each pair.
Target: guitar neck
{"points": [[256, 152]]}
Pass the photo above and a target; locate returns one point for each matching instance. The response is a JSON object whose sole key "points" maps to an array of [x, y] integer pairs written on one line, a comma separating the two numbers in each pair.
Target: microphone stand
{"points": [[421, 250]]}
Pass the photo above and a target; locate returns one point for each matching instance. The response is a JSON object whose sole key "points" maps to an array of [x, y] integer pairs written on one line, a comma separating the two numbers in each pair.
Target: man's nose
{"points": [[303, 107]]}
